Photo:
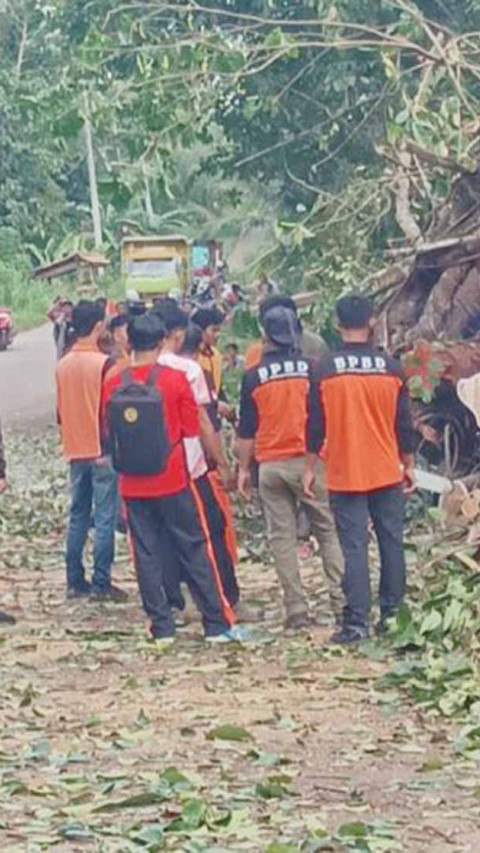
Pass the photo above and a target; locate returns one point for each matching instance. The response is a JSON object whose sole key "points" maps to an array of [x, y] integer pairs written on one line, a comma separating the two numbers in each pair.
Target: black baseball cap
{"points": [[278, 300], [281, 326]]}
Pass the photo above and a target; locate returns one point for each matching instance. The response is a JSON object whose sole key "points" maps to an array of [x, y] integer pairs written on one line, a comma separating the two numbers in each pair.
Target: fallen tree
{"points": [[429, 314]]}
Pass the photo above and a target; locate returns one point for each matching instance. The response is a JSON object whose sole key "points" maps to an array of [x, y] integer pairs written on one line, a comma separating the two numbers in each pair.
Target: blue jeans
{"points": [[94, 487]]}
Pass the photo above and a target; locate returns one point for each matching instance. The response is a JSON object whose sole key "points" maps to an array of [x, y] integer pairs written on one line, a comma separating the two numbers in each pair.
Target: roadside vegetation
{"points": [[28, 300], [334, 130]]}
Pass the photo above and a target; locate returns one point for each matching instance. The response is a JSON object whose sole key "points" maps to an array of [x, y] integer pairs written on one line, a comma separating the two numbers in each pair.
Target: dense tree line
{"points": [[343, 123]]}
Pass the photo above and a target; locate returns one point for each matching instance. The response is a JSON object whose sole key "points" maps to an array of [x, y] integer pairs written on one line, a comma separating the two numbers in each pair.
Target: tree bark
{"points": [[148, 197], [403, 213], [439, 303], [92, 178], [463, 319]]}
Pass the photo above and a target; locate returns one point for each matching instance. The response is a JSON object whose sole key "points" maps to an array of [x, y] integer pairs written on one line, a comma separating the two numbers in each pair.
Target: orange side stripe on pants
{"points": [[224, 502], [226, 607]]}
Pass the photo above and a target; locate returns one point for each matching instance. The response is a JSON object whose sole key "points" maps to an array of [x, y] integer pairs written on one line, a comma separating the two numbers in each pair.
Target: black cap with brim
{"points": [[282, 327]]}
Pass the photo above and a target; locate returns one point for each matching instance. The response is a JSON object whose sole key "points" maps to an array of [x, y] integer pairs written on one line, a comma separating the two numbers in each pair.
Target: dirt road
{"points": [[27, 386], [109, 744]]}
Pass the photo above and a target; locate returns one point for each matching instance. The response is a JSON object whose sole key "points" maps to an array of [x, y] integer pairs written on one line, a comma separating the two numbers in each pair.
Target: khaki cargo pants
{"points": [[280, 490]]}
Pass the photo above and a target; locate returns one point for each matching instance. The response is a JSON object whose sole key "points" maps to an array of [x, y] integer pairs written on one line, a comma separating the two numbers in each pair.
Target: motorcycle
{"points": [[206, 294], [203, 293], [6, 328]]}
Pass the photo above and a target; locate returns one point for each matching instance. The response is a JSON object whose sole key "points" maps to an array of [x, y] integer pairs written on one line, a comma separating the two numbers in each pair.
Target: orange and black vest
{"points": [[359, 412], [273, 407]]}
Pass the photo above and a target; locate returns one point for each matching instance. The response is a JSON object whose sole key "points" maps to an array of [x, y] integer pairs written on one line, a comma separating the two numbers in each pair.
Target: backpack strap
{"points": [[127, 378], [155, 372]]}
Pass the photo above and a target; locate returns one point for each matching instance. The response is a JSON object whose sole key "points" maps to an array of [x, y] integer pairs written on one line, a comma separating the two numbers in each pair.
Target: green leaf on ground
{"points": [[228, 732], [138, 801], [357, 829], [193, 816], [274, 787]]}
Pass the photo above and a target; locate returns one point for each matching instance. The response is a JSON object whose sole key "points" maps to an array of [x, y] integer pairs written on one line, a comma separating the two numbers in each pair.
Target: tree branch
{"points": [[21, 50], [435, 159], [307, 132], [403, 213]]}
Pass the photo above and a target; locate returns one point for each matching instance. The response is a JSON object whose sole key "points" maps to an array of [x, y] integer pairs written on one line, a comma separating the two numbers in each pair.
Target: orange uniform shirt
{"points": [[79, 378], [273, 407], [360, 412]]}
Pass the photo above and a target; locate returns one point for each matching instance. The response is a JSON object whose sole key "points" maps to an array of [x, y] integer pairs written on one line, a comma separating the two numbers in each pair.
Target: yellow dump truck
{"points": [[156, 266]]}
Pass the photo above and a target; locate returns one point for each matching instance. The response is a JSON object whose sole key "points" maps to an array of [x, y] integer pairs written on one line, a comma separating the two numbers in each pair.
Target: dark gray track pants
{"points": [[352, 510]]}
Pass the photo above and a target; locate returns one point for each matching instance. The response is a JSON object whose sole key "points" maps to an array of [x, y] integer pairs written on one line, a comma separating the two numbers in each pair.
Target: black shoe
{"points": [[348, 636], [79, 591], [113, 593], [297, 622], [384, 625], [6, 619]]}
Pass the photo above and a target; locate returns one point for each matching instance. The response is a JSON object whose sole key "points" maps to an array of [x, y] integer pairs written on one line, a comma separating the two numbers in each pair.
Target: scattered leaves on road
{"points": [[283, 746]]}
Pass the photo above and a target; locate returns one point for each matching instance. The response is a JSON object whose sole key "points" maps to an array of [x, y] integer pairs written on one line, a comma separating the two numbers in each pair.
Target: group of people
{"points": [[141, 430], [326, 433], [333, 433]]}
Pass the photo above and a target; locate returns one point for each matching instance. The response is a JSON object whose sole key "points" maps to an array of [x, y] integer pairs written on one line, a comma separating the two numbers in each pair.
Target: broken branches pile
{"points": [[436, 636]]}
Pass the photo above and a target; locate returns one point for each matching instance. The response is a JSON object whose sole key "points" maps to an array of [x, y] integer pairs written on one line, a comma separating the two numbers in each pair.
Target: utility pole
{"points": [[92, 179], [148, 196]]}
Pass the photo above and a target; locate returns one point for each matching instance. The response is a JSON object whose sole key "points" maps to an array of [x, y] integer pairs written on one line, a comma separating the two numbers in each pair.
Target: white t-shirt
{"points": [[196, 463]]}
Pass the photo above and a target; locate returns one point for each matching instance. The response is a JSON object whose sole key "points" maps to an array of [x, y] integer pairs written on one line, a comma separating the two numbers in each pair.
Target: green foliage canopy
{"points": [[342, 121]]}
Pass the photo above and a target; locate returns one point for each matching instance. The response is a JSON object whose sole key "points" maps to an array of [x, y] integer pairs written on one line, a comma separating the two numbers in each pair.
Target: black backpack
{"points": [[138, 436]]}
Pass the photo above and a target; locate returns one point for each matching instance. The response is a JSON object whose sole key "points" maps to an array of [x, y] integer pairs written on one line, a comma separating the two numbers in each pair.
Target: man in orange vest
{"points": [[360, 413], [272, 429]]}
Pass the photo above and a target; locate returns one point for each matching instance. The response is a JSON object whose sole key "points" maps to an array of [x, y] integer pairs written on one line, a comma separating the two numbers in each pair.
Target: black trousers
{"points": [[149, 521], [352, 511], [216, 523]]}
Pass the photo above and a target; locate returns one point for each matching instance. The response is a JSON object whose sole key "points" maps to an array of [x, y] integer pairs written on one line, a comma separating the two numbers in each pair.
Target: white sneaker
{"points": [[236, 634]]}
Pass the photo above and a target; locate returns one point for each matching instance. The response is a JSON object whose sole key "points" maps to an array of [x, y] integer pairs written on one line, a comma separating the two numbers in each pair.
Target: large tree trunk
{"points": [[440, 297], [437, 307], [433, 317]]}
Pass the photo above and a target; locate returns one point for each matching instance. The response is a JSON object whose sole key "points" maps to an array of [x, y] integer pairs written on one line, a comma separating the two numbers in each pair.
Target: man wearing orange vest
{"points": [[272, 429], [360, 414]]}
